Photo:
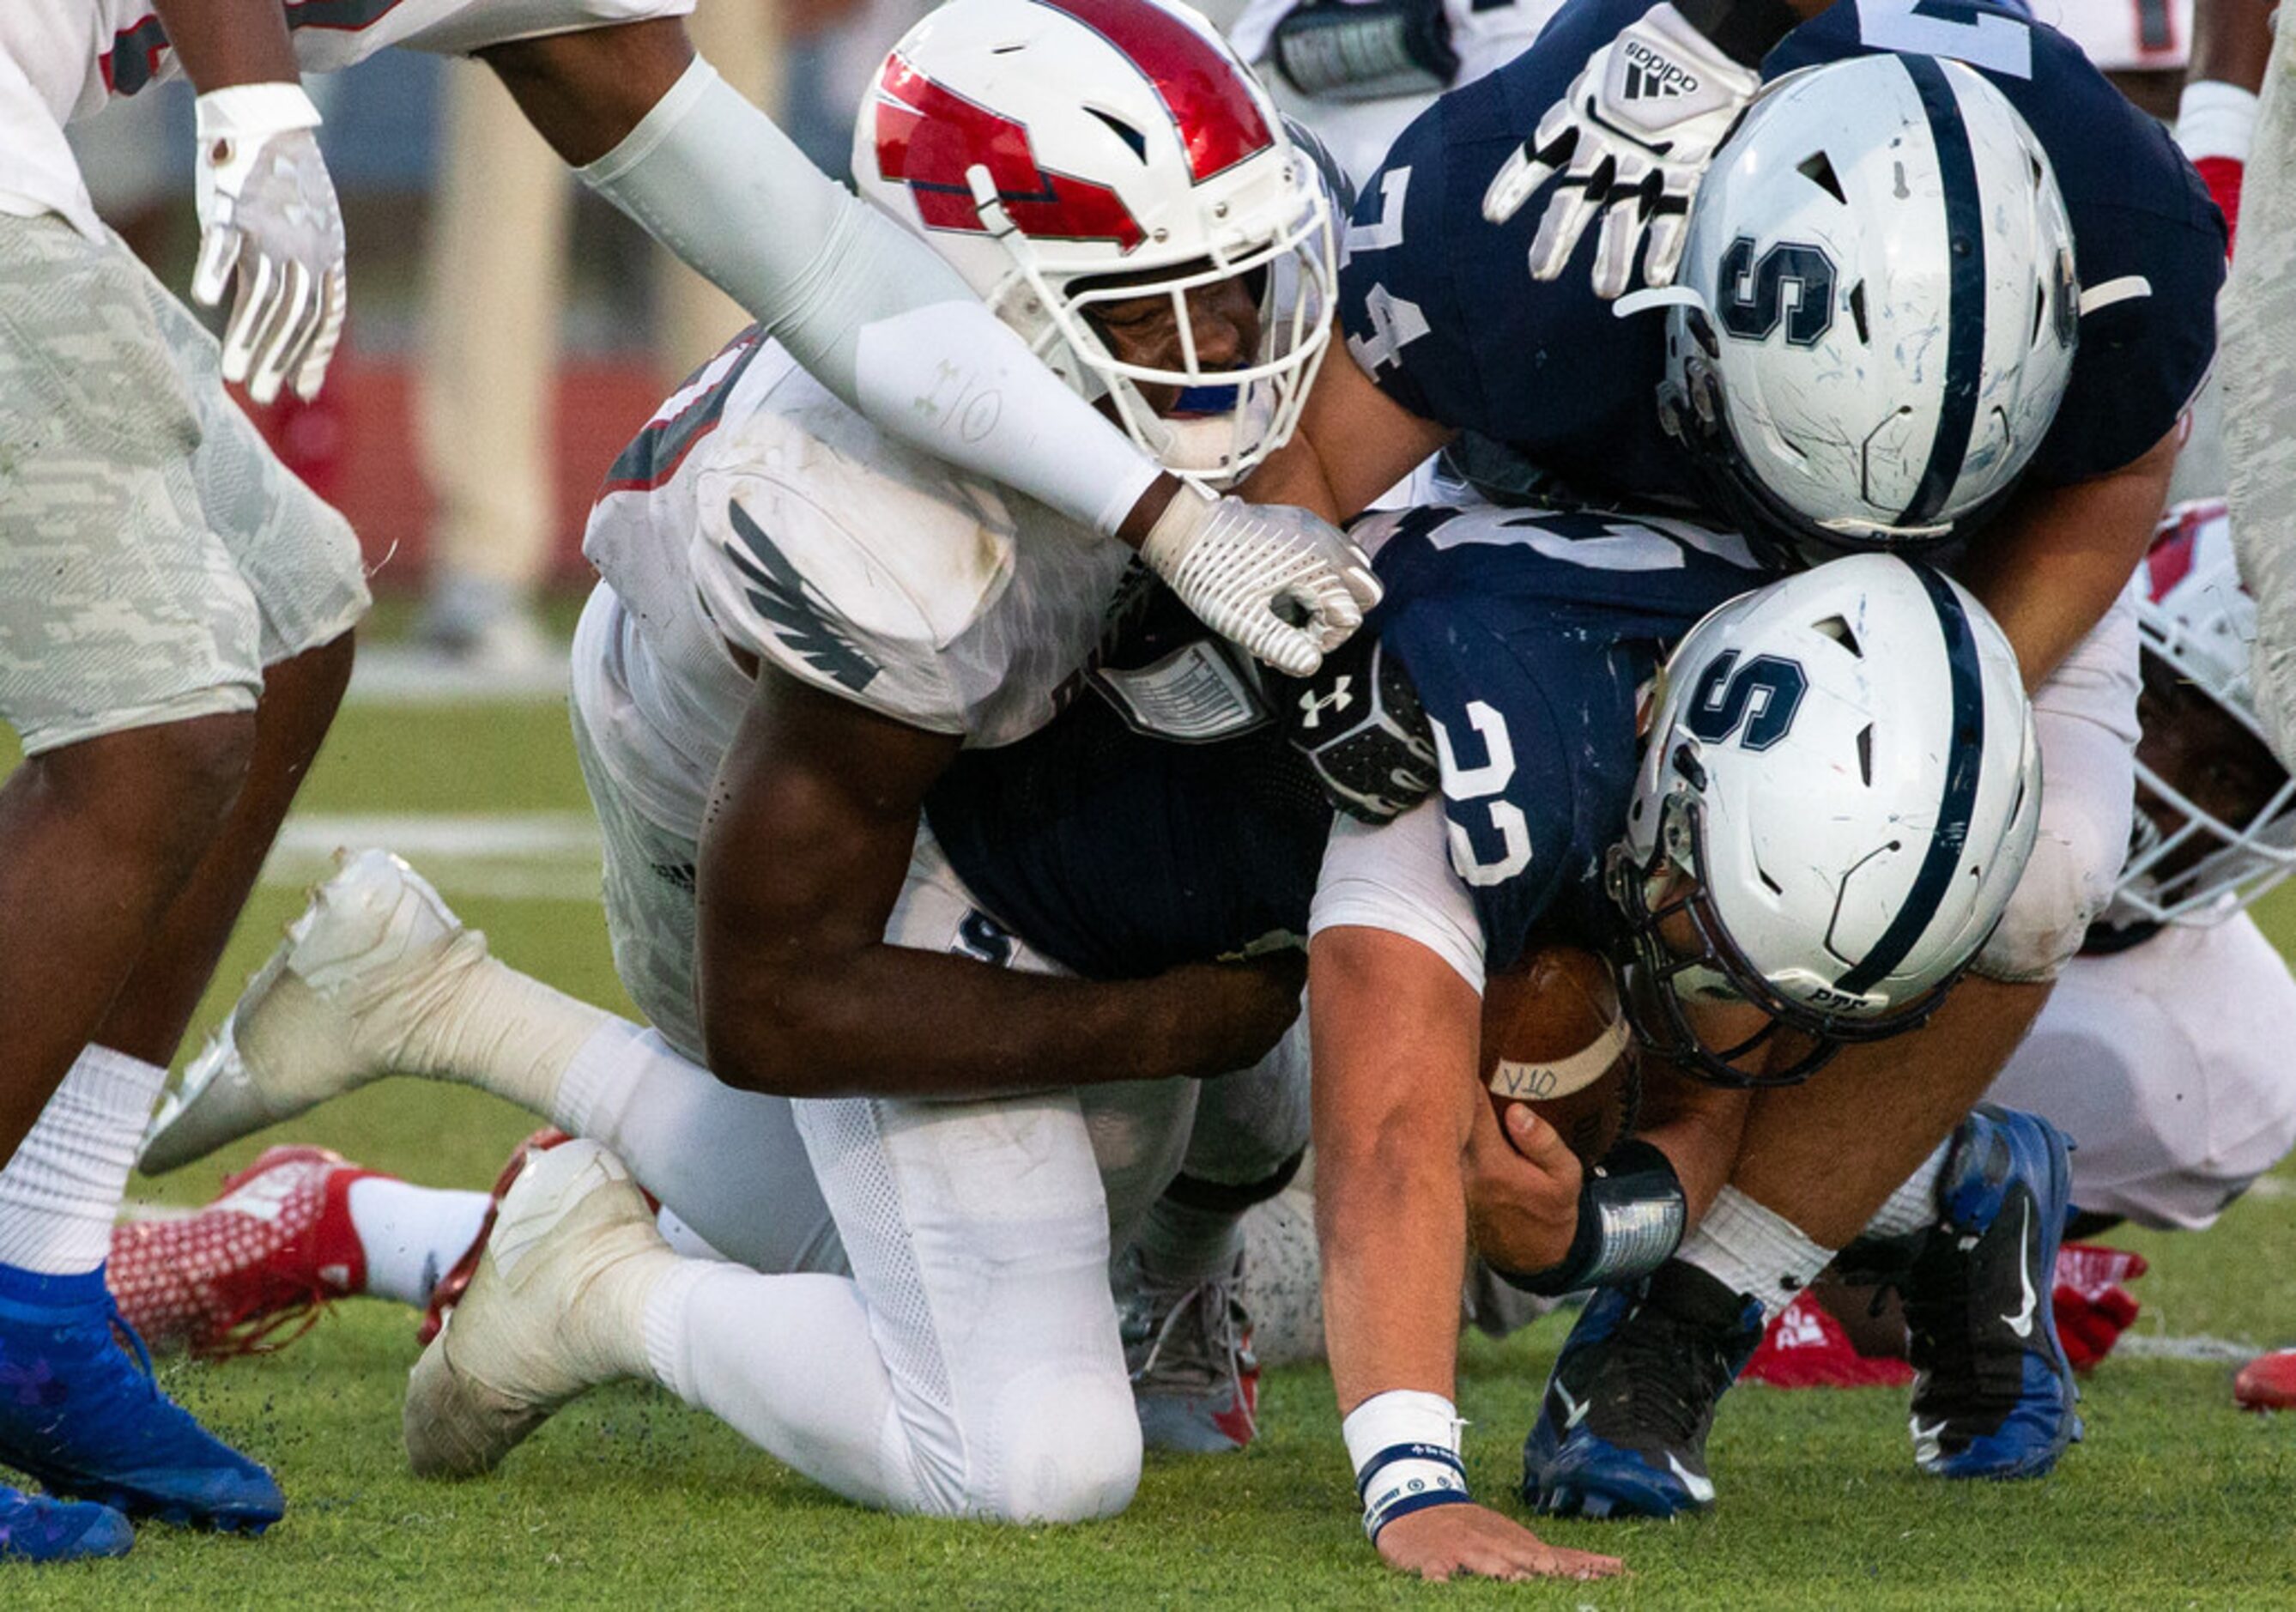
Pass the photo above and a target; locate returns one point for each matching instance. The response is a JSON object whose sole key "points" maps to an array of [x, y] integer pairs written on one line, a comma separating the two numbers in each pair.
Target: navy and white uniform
{"points": [[1440, 311], [1529, 638], [1557, 393]]}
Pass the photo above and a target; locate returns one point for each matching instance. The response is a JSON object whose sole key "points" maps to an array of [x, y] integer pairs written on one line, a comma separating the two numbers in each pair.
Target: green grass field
{"points": [[630, 1500]]}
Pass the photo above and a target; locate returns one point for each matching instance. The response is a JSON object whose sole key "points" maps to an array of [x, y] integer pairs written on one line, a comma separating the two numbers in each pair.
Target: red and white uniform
{"points": [[2166, 1064], [62, 60]]}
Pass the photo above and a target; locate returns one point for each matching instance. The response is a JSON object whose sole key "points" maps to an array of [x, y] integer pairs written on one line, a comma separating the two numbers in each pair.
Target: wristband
{"points": [[1631, 1215], [1744, 31], [1405, 1445]]}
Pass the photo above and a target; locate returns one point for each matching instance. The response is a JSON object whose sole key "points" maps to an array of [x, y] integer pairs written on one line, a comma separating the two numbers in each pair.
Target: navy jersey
{"points": [[1530, 637], [1120, 851], [1440, 309]]}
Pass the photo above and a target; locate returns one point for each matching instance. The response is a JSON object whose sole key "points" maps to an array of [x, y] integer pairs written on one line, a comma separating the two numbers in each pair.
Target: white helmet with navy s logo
{"points": [[1877, 311]]}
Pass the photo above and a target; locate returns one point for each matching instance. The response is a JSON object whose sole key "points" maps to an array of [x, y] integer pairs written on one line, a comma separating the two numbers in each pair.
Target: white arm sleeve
{"points": [[867, 307], [1398, 876]]}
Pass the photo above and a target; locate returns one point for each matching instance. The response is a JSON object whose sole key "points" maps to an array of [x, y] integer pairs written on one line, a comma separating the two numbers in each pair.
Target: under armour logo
{"points": [[1651, 76], [1313, 705]]}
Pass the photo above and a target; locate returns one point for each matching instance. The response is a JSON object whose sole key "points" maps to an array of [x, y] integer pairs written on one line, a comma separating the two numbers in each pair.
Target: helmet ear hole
{"points": [[1858, 314], [1134, 140], [1838, 629], [1818, 170]]}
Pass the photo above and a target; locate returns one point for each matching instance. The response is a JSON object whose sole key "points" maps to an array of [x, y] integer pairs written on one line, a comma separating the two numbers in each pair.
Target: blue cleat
{"points": [[86, 1418], [1622, 1430], [36, 1529], [1994, 1393]]}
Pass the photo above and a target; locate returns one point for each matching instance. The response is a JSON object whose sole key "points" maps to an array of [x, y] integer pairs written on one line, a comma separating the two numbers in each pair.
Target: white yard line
{"points": [[544, 856], [2204, 1349], [407, 674]]}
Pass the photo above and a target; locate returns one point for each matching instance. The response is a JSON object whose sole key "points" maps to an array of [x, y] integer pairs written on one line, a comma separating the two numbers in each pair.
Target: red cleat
{"points": [[2268, 1382], [2093, 1307], [449, 1291], [1804, 1347], [273, 1250]]}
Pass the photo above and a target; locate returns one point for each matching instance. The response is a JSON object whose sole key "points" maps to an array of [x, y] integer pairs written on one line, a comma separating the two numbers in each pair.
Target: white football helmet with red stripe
{"points": [[1064, 154], [2216, 812]]}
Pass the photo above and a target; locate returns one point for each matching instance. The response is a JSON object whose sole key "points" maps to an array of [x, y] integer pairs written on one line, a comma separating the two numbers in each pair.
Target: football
{"points": [[1554, 1037]]}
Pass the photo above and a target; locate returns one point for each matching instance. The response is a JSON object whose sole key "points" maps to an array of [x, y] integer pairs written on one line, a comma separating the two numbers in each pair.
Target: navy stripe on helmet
{"points": [[1964, 763], [1965, 313]]}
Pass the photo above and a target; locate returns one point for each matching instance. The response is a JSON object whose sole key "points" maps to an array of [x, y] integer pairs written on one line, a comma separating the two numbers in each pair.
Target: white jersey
{"points": [[756, 515], [62, 59]]}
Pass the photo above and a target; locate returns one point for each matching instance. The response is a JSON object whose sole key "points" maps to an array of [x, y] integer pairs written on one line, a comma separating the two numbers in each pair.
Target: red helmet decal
{"points": [[1208, 97], [2169, 559], [928, 135]]}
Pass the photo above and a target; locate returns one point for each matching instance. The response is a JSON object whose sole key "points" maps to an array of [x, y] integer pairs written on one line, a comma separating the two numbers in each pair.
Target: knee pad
{"points": [[1066, 1448]]}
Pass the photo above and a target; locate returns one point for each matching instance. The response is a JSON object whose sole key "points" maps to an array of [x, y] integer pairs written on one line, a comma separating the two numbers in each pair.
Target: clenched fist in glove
{"points": [[1279, 581], [1630, 140], [268, 216]]}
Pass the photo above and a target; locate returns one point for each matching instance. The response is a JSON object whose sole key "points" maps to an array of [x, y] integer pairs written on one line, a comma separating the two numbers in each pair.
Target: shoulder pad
{"points": [[844, 559]]}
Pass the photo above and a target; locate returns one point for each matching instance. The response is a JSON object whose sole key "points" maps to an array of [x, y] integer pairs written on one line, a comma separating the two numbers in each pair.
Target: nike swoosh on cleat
{"points": [[2022, 1322], [1926, 1447], [1575, 1409], [1702, 1489]]}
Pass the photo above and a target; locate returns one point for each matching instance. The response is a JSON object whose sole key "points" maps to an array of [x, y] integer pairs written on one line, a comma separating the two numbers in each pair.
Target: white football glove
{"points": [[268, 212], [1631, 138], [1241, 566]]}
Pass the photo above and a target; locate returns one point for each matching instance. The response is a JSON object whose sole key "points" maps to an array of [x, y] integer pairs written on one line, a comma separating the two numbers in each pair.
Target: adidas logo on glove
{"points": [[1651, 77]]}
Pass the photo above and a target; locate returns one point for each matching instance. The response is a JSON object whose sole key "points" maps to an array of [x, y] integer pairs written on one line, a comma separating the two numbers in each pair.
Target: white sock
{"points": [[729, 1163], [1915, 1204], [791, 1364], [412, 1236], [61, 1193], [1750, 1249]]}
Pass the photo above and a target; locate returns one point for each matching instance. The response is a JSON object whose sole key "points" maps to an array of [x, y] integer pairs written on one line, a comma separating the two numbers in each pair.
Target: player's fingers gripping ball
{"points": [[1555, 1042], [1556, 1045]]}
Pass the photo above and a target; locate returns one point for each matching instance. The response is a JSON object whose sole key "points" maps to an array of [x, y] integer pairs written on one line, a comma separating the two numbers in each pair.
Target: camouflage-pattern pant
{"points": [[154, 554]]}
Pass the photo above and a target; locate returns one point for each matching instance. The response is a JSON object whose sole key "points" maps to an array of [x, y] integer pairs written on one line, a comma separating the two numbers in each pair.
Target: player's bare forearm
{"points": [[2059, 556], [1353, 443], [1396, 1035], [2232, 43], [1697, 1126], [803, 856], [585, 92], [225, 42]]}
